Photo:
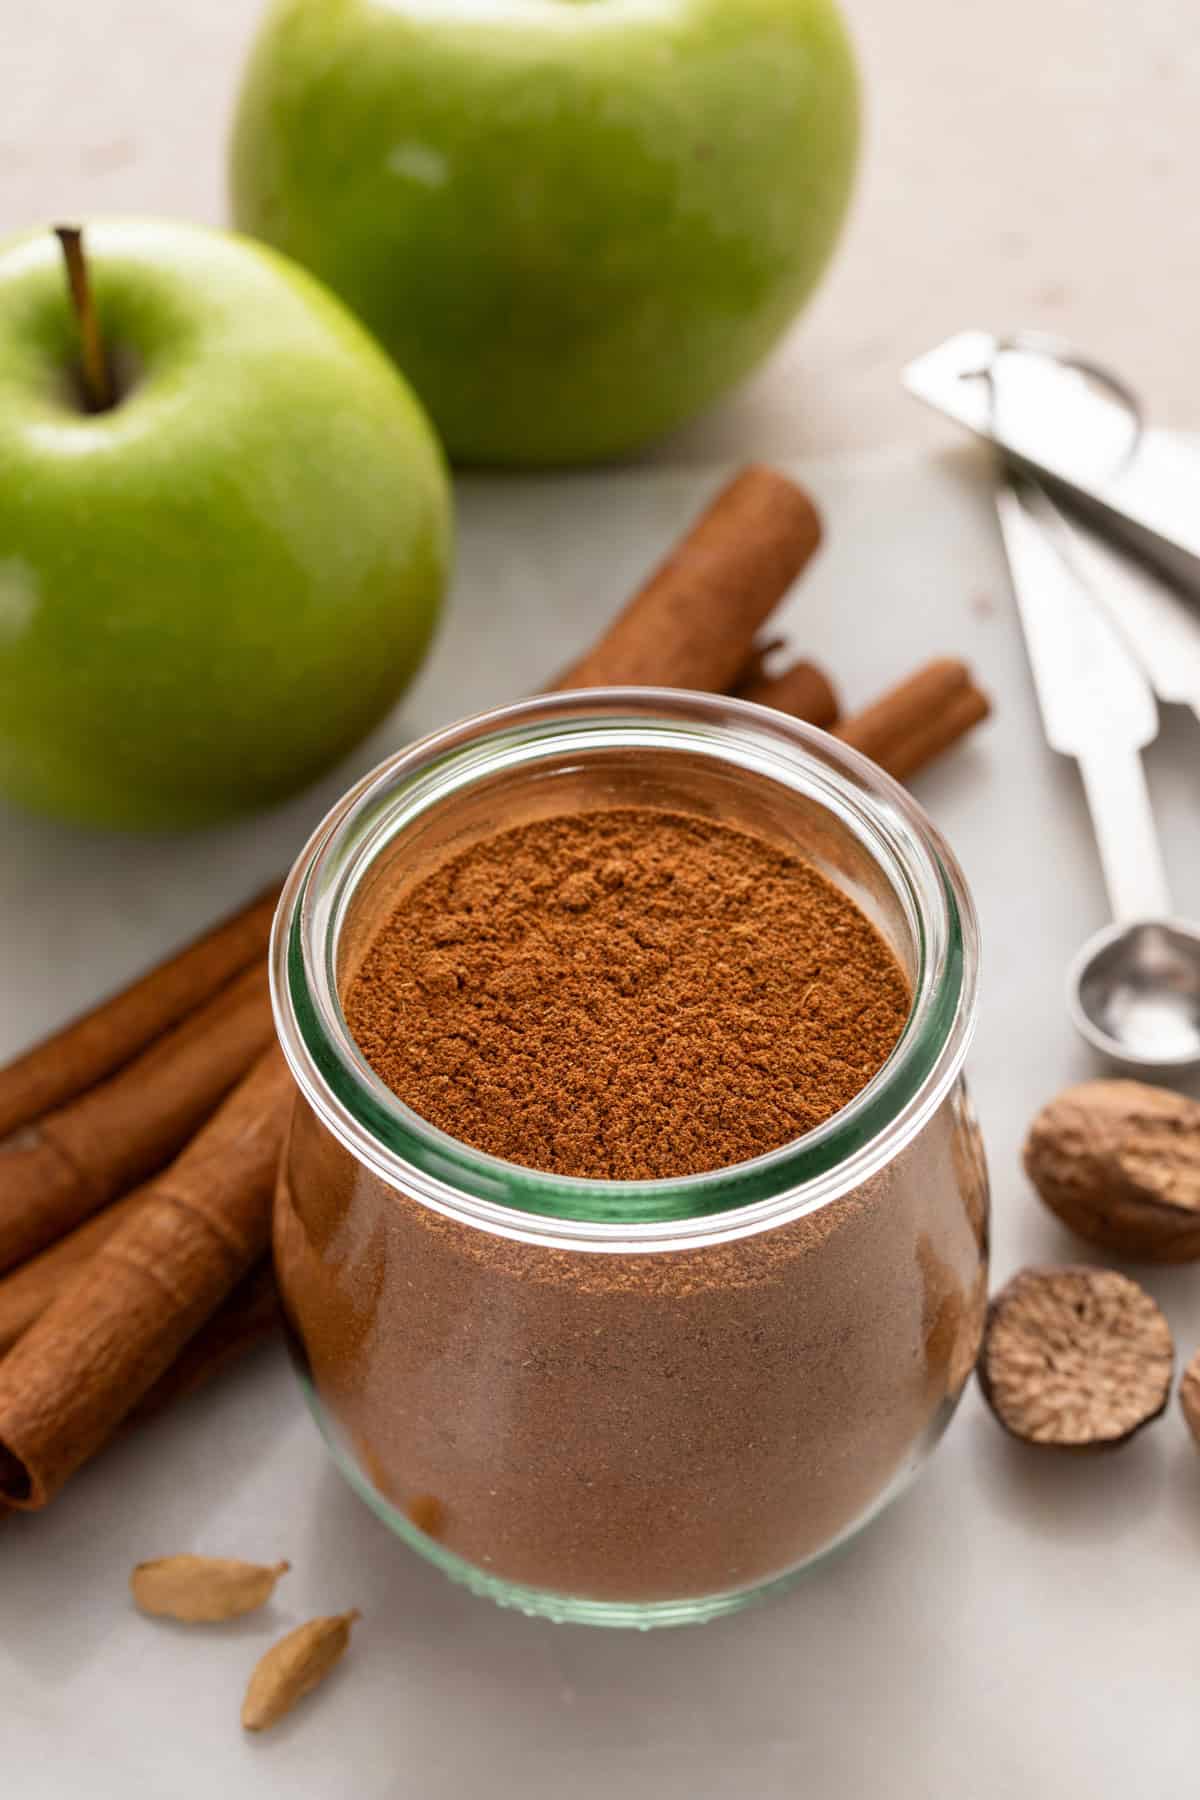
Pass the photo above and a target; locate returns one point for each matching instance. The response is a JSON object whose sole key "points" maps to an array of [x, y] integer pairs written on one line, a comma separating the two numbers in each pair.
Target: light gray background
{"points": [[1015, 1627]]}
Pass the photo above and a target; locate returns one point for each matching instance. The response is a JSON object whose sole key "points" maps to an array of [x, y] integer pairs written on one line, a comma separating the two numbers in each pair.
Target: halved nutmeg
{"points": [[1119, 1162], [1075, 1358]]}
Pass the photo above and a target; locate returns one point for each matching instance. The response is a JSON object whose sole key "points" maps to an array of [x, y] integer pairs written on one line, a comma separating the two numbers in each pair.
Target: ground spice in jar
{"points": [[636, 993], [627, 995]]}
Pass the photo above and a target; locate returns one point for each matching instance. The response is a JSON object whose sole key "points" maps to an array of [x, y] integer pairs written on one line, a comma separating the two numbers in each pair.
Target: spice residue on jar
{"points": [[626, 995]]}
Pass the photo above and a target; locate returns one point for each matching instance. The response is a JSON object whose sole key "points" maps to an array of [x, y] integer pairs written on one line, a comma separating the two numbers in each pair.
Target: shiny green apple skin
{"points": [[213, 590], [574, 223]]}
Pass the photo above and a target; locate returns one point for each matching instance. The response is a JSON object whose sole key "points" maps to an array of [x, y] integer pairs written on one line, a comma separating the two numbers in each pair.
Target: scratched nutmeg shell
{"points": [[1119, 1163]]}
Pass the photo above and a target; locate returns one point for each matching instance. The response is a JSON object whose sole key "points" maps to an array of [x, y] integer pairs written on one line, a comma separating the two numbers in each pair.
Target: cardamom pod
{"points": [[203, 1588], [294, 1666]]}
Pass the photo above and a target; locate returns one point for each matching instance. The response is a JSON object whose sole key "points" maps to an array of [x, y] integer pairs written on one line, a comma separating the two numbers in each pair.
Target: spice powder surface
{"points": [[626, 995]]}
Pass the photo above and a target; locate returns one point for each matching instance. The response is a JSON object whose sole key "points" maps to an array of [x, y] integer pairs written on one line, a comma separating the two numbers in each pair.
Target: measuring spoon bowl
{"points": [[1134, 993]]}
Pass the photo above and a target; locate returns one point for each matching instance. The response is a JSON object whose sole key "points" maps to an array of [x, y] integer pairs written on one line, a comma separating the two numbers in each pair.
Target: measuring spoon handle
{"points": [[1123, 820]]}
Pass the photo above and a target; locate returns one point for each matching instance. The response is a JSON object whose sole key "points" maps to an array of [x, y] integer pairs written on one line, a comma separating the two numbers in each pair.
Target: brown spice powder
{"points": [[635, 1427], [627, 995]]}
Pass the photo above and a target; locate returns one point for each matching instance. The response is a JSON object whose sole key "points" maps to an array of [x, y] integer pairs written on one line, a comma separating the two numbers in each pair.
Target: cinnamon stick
{"points": [[694, 622], [98, 1042], [113, 1331], [251, 1316], [26, 1291], [803, 690], [910, 724], [55, 1174], [906, 709], [907, 755]]}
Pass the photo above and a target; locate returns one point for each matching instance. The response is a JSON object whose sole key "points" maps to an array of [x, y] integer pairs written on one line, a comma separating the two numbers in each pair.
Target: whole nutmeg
{"points": [[1119, 1162], [1075, 1358]]}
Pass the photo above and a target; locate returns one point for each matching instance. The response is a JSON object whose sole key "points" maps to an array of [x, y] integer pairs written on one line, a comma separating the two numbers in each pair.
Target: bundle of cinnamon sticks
{"points": [[138, 1145], [136, 1177]]}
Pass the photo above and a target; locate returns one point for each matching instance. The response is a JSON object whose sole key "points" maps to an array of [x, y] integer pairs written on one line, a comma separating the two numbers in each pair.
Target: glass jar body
{"points": [[630, 1402], [634, 1438]]}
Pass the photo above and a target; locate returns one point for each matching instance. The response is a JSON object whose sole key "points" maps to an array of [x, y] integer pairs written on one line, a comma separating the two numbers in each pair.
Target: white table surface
{"points": [[1015, 1626]]}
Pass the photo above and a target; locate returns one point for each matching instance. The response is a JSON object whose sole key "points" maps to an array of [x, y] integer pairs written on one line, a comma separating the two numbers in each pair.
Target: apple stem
{"points": [[97, 382]]}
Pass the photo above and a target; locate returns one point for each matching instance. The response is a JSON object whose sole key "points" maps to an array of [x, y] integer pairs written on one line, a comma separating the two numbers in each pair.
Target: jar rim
{"points": [[412, 1155]]}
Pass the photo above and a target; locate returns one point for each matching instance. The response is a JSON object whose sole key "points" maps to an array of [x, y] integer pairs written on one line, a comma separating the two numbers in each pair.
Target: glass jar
{"points": [[630, 1403]]}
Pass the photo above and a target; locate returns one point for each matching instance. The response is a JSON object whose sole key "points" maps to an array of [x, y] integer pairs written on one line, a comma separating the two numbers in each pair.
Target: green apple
{"points": [[573, 223], [213, 588]]}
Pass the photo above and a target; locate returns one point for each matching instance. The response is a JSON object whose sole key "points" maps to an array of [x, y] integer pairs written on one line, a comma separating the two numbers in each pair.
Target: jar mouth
{"points": [[409, 1153]]}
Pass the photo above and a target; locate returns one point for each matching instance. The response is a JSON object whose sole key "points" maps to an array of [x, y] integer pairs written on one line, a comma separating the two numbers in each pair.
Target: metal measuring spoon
{"points": [[1134, 988], [1076, 427], [1134, 992]]}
